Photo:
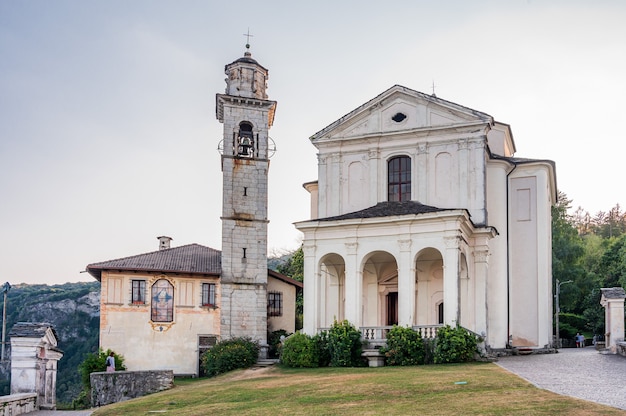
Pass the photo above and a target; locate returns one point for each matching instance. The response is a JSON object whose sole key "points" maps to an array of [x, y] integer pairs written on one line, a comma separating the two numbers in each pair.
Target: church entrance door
{"points": [[392, 308]]}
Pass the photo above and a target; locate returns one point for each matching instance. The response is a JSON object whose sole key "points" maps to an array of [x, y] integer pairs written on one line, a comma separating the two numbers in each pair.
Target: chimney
{"points": [[164, 242]]}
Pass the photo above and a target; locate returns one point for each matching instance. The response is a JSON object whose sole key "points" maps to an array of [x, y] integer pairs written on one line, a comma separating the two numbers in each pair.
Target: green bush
{"points": [[404, 347], [300, 350], [454, 345], [344, 345], [323, 350], [230, 355], [273, 340]]}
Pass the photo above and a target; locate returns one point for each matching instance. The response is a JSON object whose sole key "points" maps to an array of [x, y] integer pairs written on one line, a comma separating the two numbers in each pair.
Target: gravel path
{"points": [[583, 373]]}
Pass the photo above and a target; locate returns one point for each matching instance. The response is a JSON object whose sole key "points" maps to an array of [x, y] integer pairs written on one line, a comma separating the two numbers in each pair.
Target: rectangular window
{"points": [[274, 304], [208, 294], [138, 292]]}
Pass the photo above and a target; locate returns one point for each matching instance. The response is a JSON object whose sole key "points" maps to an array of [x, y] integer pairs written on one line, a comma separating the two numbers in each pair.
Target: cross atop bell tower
{"points": [[247, 116]]}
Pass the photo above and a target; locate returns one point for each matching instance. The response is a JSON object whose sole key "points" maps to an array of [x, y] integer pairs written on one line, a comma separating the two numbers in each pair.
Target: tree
{"points": [[294, 268], [567, 255]]}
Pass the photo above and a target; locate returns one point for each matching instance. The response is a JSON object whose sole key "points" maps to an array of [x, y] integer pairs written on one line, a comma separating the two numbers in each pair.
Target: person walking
{"points": [[111, 362]]}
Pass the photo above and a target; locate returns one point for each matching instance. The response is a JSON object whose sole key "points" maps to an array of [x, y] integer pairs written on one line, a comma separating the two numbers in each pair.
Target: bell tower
{"points": [[247, 116]]}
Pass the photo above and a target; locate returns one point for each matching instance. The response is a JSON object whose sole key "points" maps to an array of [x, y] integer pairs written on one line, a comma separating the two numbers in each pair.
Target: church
{"points": [[163, 309], [422, 216]]}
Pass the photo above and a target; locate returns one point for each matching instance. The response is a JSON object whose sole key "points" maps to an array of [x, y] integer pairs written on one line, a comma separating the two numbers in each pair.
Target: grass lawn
{"points": [[452, 389]]}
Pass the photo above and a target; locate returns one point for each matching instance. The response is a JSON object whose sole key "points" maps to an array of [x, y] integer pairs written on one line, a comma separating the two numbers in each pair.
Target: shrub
{"points": [[404, 347], [273, 340], [300, 350], [230, 355], [344, 345], [323, 350], [454, 345]]}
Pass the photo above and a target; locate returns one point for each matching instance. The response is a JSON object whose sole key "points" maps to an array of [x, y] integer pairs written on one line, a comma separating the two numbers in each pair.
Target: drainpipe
{"points": [[508, 261]]}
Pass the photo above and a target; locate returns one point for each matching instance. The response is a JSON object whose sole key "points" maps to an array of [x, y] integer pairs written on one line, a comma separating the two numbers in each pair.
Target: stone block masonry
{"points": [[107, 388]]}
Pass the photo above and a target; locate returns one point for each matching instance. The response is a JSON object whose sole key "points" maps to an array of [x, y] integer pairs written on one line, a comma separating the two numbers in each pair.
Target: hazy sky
{"points": [[108, 133]]}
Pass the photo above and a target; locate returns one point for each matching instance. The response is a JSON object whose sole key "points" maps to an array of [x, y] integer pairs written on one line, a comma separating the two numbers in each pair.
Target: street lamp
{"points": [[558, 310], [5, 290]]}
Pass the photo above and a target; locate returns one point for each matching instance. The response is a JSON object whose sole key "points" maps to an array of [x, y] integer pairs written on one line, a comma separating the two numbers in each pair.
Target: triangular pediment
{"points": [[400, 109]]}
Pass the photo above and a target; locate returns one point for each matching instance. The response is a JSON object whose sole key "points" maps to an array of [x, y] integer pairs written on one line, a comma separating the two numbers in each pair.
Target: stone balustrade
{"points": [[18, 404]]}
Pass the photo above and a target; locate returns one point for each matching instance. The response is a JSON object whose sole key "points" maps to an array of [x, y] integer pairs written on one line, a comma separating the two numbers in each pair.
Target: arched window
{"points": [[162, 305], [245, 140], [399, 179]]}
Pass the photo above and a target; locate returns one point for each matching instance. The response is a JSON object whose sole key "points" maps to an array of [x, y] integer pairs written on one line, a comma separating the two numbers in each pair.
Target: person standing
{"points": [[111, 362]]}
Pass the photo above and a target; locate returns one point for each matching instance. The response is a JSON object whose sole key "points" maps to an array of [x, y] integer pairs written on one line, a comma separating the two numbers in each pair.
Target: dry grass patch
{"points": [[432, 390]]}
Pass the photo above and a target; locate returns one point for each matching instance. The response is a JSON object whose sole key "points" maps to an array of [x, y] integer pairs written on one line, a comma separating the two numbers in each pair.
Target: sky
{"points": [[108, 134]]}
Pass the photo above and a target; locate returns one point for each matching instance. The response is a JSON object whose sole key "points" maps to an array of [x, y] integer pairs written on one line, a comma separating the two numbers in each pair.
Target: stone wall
{"points": [[107, 388], [18, 404]]}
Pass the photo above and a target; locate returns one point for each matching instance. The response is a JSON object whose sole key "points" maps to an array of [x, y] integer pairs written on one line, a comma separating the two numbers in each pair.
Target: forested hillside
{"points": [[588, 253], [74, 310]]}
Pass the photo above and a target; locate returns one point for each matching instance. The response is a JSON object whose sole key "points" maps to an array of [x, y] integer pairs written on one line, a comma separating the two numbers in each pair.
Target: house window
{"points": [[399, 179], [138, 292], [162, 301], [274, 304], [208, 294]]}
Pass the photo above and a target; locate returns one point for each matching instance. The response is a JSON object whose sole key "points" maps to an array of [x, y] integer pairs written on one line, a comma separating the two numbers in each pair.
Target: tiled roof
{"points": [[284, 278], [613, 293], [191, 258], [30, 330], [387, 209]]}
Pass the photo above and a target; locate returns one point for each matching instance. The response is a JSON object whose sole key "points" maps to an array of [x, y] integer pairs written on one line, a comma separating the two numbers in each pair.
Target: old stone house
{"points": [[162, 309], [422, 215]]}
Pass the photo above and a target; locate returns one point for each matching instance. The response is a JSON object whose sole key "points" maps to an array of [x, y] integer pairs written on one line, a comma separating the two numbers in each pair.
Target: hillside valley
{"points": [[74, 310]]}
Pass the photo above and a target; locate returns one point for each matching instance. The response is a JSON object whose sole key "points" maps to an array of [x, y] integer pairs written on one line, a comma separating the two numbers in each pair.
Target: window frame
{"points": [[399, 178], [138, 291], [208, 298], [274, 303]]}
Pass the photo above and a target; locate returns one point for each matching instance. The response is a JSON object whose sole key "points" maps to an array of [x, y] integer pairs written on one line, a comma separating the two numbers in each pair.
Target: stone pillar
{"points": [[34, 358], [451, 281], [312, 283], [406, 285], [354, 283], [613, 302]]}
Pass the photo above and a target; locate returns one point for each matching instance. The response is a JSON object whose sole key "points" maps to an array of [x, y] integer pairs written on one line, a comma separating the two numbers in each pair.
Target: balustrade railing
{"points": [[377, 333]]}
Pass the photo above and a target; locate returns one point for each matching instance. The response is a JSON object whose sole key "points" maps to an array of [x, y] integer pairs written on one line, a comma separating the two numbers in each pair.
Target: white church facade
{"points": [[421, 215]]}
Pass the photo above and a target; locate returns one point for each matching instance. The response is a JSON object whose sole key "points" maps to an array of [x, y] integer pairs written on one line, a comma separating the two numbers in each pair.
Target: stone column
{"points": [[613, 302], [354, 284], [451, 281], [406, 284], [311, 294]]}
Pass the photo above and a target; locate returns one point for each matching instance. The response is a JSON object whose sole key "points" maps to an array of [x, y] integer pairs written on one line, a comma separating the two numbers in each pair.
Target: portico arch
{"points": [[429, 287], [332, 278], [380, 289]]}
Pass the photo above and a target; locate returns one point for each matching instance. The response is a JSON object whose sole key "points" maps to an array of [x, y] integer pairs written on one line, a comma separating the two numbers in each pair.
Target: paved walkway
{"points": [[583, 373]]}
